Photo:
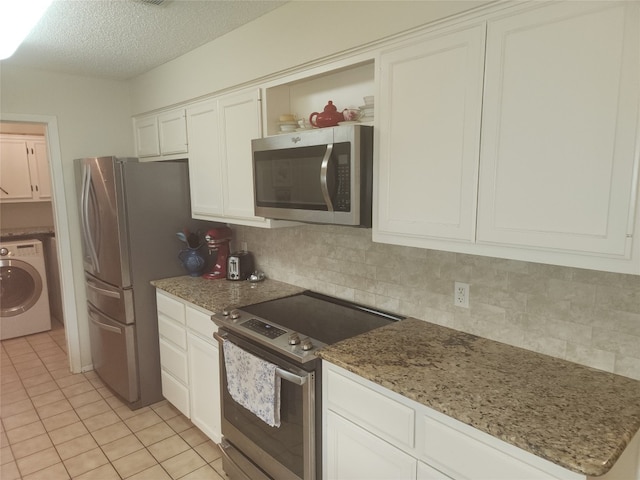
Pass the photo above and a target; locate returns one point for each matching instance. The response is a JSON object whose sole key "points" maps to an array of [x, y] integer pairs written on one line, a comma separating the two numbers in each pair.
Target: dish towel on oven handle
{"points": [[253, 383]]}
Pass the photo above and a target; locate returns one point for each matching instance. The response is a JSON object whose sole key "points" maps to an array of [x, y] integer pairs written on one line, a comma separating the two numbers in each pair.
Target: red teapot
{"points": [[328, 118]]}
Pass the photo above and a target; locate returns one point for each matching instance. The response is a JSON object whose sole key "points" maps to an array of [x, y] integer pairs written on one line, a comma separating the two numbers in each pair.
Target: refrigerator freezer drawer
{"points": [[115, 302], [114, 354]]}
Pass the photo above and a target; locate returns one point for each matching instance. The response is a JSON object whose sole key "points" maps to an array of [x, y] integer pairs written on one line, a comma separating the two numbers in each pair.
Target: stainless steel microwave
{"points": [[321, 175]]}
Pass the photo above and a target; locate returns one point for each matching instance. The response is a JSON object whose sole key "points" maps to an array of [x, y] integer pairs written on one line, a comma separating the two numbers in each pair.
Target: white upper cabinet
{"points": [[24, 169], [205, 166], [239, 123], [163, 136], [532, 124], [146, 136], [220, 159], [429, 109], [172, 131], [559, 129]]}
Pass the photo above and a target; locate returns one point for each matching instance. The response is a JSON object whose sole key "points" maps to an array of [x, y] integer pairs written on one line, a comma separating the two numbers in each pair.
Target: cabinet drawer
{"points": [[440, 444], [175, 392], [174, 361], [172, 331], [364, 405], [170, 307], [201, 323]]}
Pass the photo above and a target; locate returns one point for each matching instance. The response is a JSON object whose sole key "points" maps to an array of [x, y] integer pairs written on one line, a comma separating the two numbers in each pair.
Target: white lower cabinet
{"points": [[371, 432], [355, 453], [189, 362]]}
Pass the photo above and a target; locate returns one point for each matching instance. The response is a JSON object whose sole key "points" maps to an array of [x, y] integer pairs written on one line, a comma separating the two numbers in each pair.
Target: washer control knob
{"points": [[306, 344], [294, 339], [4, 251]]}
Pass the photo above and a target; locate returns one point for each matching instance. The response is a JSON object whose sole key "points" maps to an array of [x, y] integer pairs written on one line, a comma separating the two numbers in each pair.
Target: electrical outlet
{"points": [[461, 294], [243, 246]]}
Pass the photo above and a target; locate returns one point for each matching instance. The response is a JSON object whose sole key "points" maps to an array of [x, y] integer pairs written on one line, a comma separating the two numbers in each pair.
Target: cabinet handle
{"points": [[5, 192]]}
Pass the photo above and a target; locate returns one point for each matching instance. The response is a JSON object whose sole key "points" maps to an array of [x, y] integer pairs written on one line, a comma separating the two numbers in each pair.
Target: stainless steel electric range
{"points": [[287, 333]]}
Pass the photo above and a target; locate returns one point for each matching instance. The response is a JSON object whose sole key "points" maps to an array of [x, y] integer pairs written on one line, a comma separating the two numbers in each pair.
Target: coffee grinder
{"points": [[218, 243]]}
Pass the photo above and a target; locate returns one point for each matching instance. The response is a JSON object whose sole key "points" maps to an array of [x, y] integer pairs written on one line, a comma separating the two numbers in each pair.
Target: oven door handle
{"points": [[291, 377], [282, 373]]}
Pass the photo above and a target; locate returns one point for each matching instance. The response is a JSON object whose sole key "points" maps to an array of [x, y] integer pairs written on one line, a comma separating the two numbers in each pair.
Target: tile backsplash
{"points": [[584, 316]]}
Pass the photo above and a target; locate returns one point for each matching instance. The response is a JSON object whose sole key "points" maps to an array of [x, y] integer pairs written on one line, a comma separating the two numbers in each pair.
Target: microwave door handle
{"points": [[323, 177], [86, 189]]}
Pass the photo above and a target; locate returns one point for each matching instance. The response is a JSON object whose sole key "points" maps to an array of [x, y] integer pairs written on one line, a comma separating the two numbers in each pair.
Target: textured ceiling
{"points": [[120, 39]]}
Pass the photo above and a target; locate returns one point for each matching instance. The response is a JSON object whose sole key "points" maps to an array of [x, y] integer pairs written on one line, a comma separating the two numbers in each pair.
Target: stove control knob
{"points": [[294, 339], [4, 251], [225, 312], [235, 314], [306, 344]]}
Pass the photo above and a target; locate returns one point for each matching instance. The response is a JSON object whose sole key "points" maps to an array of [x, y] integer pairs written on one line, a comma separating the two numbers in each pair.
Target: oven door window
{"points": [[294, 178], [285, 444]]}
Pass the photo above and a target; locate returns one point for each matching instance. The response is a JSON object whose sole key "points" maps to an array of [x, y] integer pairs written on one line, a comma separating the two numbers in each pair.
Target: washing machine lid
{"points": [[20, 287]]}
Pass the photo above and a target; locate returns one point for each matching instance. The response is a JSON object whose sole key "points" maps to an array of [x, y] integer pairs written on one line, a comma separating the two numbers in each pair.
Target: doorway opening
{"points": [[54, 210]]}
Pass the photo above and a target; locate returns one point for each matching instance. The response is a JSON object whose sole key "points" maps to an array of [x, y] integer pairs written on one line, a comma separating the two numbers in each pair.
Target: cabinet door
{"points": [[425, 472], [429, 111], [172, 132], [204, 385], [353, 453], [146, 135], [559, 128], [40, 163], [240, 122], [205, 166], [15, 179]]}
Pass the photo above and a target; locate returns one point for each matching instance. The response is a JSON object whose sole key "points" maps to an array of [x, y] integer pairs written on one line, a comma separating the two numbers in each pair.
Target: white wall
{"points": [[93, 118], [289, 36]]}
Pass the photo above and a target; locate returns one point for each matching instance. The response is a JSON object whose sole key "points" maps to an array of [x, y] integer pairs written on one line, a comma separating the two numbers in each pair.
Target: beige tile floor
{"points": [[58, 425]]}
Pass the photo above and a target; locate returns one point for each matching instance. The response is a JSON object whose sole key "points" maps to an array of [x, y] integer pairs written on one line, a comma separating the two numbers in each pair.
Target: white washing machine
{"points": [[24, 299]]}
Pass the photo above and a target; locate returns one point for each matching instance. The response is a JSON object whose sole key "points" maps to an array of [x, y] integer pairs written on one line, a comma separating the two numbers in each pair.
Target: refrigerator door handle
{"points": [[106, 327], [103, 291], [84, 200]]}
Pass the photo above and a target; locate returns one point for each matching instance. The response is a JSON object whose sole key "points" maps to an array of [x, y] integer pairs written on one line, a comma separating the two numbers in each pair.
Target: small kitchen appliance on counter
{"points": [[218, 242], [240, 266], [285, 333]]}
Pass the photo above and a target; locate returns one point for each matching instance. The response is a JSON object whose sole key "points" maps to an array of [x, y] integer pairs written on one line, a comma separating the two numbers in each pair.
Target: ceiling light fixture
{"points": [[17, 18]]}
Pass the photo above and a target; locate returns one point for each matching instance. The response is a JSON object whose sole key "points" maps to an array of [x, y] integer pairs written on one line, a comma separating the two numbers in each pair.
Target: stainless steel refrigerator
{"points": [[130, 213]]}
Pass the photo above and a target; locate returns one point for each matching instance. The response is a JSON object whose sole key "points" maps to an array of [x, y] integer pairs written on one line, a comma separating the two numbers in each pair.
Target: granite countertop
{"points": [[574, 416], [214, 295], [25, 232]]}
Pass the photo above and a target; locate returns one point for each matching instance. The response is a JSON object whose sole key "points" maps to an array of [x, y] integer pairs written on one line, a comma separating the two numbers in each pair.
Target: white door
{"points": [[355, 454], [41, 161], [559, 128], [205, 166], [240, 122], [146, 135], [15, 180], [204, 385], [429, 111], [172, 132]]}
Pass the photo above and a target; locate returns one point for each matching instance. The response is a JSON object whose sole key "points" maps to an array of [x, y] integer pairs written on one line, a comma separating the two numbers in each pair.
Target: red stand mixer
{"points": [[218, 242]]}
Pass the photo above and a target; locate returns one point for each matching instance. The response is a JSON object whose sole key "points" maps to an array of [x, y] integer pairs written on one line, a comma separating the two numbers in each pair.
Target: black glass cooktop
{"points": [[320, 317]]}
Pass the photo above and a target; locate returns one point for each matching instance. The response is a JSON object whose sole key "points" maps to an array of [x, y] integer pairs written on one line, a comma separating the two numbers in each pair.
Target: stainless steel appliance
{"points": [[240, 266], [322, 175], [285, 332], [130, 213]]}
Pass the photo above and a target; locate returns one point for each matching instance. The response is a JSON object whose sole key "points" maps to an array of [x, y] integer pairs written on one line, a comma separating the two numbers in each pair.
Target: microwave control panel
{"points": [[343, 197]]}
